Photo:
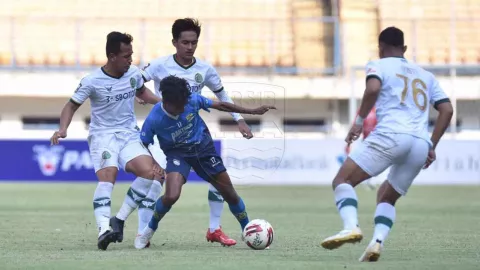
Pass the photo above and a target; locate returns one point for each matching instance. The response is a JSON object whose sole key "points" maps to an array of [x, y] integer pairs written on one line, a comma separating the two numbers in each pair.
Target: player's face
{"points": [[174, 109], [123, 59], [186, 44]]}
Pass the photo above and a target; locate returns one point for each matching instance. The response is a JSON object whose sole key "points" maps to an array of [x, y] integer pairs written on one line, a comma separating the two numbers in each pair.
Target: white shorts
{"points": [[405, 154], [113, 149], [157, 153]]}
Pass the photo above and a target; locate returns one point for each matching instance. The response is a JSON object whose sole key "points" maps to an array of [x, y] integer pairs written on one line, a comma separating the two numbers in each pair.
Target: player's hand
{"points": [[262, 110], [430, 158], [158, 171], [354, 133], [244, 129], [140, 101], [57, 135]]}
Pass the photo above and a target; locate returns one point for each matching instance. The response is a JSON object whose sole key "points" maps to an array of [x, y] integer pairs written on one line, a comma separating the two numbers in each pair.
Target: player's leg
{"points": [[136, 159], [209, 166], [215, 202], [402, 174], [147, 206], [104, 154], [369, 159], [177, 173], [223, 184]]}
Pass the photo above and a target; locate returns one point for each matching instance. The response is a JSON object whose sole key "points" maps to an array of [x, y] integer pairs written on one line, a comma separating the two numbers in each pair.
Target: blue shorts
{"points": [[205, 162]]}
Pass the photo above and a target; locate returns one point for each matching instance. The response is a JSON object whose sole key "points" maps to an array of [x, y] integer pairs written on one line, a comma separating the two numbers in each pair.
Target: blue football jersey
{"points": [[176, 132]]}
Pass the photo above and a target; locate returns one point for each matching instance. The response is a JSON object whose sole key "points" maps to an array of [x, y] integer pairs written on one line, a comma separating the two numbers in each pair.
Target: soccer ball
{"points": [[258, 234]]}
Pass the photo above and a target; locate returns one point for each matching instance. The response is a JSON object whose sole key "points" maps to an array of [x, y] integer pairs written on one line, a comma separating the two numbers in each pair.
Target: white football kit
{"points": [[401, 138], [114, 137], [198, 75]]}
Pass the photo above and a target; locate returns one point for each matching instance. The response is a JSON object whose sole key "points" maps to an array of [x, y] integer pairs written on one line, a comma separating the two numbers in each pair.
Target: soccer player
{"points": [[187, 143], [401, 92], [114, 137], [198, 74]]}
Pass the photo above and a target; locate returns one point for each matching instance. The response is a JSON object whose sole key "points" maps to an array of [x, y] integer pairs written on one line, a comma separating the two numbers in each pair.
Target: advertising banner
{"points": [[37, 160]]}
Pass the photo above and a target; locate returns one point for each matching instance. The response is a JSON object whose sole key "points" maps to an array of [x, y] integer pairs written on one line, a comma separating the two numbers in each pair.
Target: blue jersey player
{"points": [[187, 143]]}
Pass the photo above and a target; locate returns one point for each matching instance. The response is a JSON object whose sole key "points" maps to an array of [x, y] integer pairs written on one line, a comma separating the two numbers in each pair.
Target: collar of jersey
{"points": [[103, 70], [182, 66], [169, 115]]}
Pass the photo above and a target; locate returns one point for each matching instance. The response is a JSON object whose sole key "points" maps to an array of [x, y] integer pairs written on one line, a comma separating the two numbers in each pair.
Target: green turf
{"points": [[51, 226]]}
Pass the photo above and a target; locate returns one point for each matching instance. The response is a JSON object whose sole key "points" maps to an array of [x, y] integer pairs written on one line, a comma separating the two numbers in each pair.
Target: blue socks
{"points": [[238, 210], [160, 211]]}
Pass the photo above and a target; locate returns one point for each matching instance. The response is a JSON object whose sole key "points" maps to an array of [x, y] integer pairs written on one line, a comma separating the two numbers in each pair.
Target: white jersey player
{"points": [[198, 74], [114, 138], [402, 93]]}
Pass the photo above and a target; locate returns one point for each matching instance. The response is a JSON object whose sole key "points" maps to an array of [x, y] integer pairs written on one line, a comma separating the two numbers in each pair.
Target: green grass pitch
{"points": [[52, 226]]}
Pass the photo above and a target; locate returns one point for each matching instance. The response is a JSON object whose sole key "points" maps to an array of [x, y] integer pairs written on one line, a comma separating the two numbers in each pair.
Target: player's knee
{"points": [[171, 198], [387, 194]]}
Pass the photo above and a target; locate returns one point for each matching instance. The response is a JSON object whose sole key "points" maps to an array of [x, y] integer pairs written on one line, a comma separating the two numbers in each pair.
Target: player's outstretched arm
{"points": [[147, 95], [65, 119], [242, 125], [445, 113], [230, 107]]}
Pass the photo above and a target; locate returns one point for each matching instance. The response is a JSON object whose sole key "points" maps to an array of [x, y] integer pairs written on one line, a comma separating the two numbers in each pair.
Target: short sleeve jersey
{"points": [[198, 75], [179, 132], [112, 100], [406, 94]]}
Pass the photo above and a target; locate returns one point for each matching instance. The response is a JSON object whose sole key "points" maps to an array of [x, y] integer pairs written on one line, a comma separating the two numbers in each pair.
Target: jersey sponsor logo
{"points": [[120, 97], [52, 158], [195, 88], [182, 132]]}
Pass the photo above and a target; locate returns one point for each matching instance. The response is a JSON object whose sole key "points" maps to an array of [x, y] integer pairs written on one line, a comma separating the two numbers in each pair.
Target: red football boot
{"points": [[220, 237]]}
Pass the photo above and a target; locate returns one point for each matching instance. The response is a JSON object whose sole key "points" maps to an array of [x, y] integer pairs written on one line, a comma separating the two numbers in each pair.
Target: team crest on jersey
{"points": [[133, 82], [189, 117], [198, 78], [106, 155]]}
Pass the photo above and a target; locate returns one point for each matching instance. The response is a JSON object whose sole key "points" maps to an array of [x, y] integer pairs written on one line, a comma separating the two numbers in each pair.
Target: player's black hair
{"points": [[392, 36], [114, 40], [175, 90], [186, 24]]}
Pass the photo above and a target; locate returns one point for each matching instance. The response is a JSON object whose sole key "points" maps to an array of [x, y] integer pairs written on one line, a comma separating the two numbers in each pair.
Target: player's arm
{"points": [[214, 83], [230, 107], [148, 130], [372, 90], [442, 104], [147, 95], [80, 95]]}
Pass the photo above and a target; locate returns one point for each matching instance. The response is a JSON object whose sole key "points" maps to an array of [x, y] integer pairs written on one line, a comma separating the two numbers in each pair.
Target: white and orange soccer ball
{"points": [[258, 234]]}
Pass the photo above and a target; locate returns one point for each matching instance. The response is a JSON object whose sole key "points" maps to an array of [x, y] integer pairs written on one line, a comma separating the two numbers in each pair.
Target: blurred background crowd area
{"points": [[313, 51]]}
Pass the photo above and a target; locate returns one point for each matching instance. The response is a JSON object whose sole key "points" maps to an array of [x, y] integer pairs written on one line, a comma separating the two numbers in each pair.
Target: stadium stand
{"points": [[249, 33]]}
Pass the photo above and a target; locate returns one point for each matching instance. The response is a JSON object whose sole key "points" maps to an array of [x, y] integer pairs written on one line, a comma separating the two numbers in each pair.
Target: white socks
{"points": [[384, 219], [147, 206], [102, 206], [136, 193], [215, 201], [346, 200]]}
